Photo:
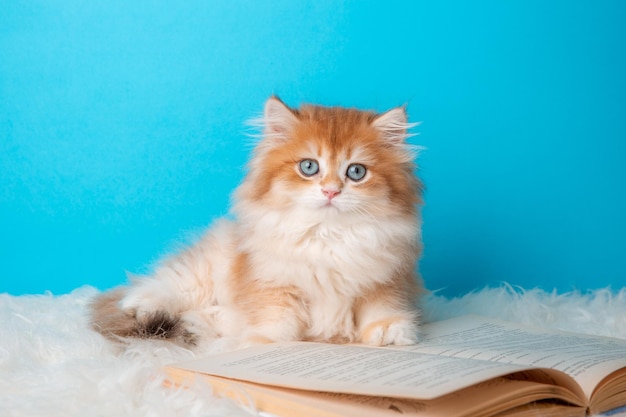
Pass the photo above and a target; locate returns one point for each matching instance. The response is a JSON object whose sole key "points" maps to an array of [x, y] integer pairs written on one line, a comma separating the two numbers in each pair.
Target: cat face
{"points": [[334, 160]]}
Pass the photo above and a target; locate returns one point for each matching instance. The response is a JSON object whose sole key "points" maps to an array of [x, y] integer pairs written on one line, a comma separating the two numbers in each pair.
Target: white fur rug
{"points": [[52, 364]]}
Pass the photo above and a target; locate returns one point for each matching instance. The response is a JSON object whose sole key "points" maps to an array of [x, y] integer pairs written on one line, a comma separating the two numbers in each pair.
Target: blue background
{"points": [[122, 127]]}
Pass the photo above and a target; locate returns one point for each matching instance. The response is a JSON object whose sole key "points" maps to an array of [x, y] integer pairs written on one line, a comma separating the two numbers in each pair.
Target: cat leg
{"points": [[273, 315], [331, 321], [166, 291], [151, 309], [383, 318], [178, 302]]}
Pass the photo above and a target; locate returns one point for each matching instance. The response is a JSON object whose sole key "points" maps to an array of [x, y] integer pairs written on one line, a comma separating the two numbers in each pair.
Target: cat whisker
{"points": [[362, 208]]}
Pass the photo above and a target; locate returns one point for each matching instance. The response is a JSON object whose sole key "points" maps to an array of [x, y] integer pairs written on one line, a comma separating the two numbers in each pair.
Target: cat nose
{"points": [[329, 193]]}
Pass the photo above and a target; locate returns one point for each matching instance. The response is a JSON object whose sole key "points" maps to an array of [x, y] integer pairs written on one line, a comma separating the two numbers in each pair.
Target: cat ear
{"points": [[278, 118], [393, 125]]}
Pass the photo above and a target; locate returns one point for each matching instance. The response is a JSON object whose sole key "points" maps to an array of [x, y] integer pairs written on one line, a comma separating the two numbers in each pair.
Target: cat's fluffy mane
{"points": [[314, 255]]}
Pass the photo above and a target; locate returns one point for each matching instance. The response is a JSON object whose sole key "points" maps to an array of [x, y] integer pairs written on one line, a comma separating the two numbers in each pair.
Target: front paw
{"points": [[393, 331]]}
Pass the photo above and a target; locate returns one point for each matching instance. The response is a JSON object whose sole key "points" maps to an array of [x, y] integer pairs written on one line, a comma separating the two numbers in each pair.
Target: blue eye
{"points": [[356, 172], [309, 167]]}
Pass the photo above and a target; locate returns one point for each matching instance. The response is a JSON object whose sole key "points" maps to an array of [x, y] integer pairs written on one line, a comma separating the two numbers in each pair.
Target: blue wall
{"points": [[122, 127]]}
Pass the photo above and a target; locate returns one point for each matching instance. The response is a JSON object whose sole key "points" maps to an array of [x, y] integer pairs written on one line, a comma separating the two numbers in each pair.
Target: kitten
{"points": [[323, 246]]}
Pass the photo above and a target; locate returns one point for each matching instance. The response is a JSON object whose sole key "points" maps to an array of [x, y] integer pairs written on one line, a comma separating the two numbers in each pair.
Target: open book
{"points": [[467, 366]]}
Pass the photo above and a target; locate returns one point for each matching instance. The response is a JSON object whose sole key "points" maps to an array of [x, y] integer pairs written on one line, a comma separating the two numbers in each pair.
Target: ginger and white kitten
{"points": [[323, 245]]}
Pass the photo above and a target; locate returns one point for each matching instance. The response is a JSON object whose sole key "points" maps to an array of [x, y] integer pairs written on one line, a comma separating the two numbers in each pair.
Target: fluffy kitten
{"points": [[323, 246]]}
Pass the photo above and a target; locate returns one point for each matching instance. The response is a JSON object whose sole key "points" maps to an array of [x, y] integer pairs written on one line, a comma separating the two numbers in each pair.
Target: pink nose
{"points": [[330, 194]]}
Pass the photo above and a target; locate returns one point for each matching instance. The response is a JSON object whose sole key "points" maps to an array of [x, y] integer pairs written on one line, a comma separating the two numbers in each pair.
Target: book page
{"points": [[487, 398], [351, 369], [586, 358]]}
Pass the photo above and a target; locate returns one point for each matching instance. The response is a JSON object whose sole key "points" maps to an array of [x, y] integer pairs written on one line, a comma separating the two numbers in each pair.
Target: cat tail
{"points": [[108, 319]]}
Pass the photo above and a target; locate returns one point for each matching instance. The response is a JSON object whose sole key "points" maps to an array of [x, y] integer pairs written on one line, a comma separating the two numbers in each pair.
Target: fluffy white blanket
{"points": [[52, 364]]}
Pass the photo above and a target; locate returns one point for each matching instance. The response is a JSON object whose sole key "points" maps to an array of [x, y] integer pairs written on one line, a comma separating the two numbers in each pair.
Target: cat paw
{"points": [[194, 330], [390, 332], [141, 306]]}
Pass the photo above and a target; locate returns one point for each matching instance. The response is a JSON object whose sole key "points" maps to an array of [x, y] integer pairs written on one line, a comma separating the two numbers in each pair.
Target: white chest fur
{"points": [[332, 260], [328, 255]]}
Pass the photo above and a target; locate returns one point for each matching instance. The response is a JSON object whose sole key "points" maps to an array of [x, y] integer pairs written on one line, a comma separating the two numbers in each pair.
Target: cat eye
{"points": [[309, 167], [356, 172]]}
